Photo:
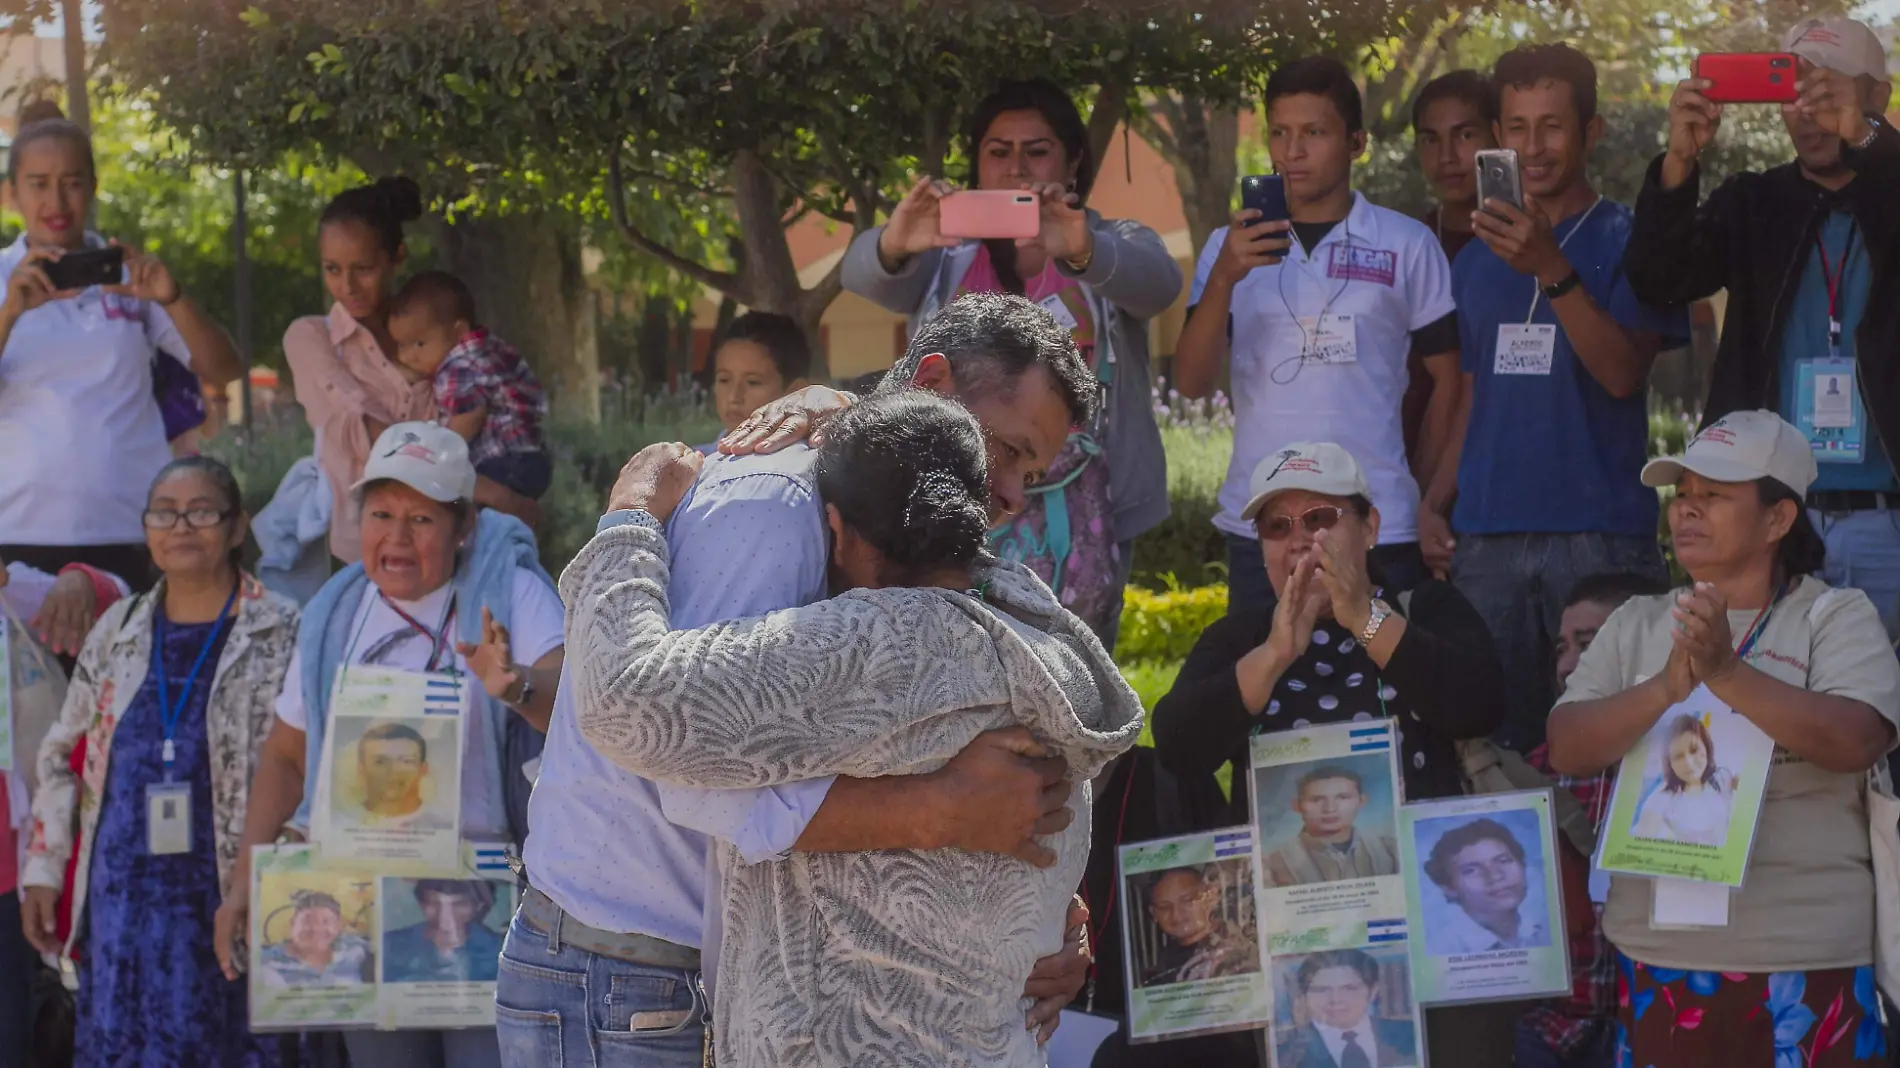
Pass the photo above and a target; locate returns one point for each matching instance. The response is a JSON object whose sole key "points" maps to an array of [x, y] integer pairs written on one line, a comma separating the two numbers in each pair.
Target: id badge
{"points": [[1059, 312], [1331, 339], [1525, 349], [168, 818], [1682, 903], [1828, 411]]}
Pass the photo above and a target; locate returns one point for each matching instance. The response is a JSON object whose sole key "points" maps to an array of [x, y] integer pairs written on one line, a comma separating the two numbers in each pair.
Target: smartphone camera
{"points": [[1781, 62]]}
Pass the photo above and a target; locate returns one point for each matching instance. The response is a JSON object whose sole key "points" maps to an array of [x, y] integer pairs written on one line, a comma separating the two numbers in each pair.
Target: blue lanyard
{"points": [[1753, 634], [166, 709]]}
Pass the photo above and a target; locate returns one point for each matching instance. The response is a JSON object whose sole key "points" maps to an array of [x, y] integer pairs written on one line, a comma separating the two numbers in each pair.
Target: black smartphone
{"points": [[87, 267], [1499, 177], [1266, 194]]}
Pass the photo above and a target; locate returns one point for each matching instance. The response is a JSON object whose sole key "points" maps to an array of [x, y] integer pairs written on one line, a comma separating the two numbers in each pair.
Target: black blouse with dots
{"points": [[1442, 683]]}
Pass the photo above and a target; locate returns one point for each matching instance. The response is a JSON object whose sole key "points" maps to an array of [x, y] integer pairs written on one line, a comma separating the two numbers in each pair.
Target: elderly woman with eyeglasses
{"points": [[1331, 645], [172, 696]]}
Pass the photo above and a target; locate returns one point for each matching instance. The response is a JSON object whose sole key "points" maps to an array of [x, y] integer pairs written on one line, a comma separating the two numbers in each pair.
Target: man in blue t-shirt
{"points": [[1801, 248], [1556, 357]]}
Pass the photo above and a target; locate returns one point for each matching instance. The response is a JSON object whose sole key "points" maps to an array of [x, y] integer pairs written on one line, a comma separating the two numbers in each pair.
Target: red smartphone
{"points": [[989, 213], [1749, 77]]}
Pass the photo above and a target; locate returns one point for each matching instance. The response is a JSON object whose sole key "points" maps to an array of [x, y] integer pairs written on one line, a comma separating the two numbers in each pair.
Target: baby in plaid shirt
{"points": [[484, 390]]}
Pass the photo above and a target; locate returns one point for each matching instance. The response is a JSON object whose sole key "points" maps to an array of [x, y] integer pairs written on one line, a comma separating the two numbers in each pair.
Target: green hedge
{"points": [[1186, 546]]}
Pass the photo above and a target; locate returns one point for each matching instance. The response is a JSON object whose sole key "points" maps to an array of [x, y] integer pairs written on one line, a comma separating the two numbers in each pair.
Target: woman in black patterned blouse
{"points": [[1331, 645]]}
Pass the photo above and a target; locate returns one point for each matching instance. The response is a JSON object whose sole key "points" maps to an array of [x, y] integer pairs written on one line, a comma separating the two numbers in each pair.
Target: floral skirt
{"points": [[1669, 1018]]}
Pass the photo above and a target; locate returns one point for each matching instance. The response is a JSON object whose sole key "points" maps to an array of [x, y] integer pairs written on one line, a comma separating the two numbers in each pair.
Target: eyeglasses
{"points": [[195, 519], [1316, 519]]}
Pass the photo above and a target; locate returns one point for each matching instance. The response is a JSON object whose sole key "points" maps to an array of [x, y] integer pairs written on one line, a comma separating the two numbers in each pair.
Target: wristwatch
{"points": [[1874, 123], [1380, 613], [527, 690], [1562, 285]]}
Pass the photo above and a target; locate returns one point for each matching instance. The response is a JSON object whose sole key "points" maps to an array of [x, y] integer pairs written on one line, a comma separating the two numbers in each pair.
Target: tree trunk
{"points": [[78, 106], [1202, 147], [768, 279], [525, 272]]}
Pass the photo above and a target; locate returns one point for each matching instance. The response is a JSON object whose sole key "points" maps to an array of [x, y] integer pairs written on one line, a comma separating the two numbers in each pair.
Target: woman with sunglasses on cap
{"points": [[1788, 977], [1332, 645], [172, 700]]}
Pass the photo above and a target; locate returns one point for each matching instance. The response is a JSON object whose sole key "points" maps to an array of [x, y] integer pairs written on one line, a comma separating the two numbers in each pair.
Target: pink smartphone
{"points": [[989, 213]]}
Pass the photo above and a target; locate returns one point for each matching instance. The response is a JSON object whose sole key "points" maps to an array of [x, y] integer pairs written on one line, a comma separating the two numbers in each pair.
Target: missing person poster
{"points": [[1190, 938], [1345, 1007], [389, 790], [441, 944], [313, 939], [1688, 796], [1484, 899], [348, 948], [1326, 803]]}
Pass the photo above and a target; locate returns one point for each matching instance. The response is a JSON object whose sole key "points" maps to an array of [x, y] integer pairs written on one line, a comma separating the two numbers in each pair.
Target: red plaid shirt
{"points": [[1565, 1025], [483, 371]]}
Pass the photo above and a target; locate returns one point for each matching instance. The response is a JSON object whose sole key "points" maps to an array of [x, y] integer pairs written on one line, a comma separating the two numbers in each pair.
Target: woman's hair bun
{"points": [[940, 518], [39, 111], [401, 197]]}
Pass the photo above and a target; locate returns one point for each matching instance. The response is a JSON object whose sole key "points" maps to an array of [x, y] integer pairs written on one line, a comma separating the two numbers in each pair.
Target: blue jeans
{"points": [[1863, 553], [1400, 567], [557, 1005], [1518, 583]]}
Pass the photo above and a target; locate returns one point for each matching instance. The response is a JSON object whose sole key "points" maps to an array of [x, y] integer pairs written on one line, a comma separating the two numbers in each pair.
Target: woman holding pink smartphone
{"points": [[1024, 228]]}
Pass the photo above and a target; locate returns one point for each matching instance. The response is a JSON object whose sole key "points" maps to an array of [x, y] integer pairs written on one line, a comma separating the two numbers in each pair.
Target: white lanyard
{"points": [[1532, 314]]}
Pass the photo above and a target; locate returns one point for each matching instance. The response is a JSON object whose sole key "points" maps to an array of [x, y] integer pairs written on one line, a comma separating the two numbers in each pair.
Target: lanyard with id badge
{"points": [[168, 803], [1827, 405], [1530, 348]]}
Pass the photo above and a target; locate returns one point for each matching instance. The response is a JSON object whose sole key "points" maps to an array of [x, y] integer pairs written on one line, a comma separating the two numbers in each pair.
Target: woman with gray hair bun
{"points": [[898, 957]]}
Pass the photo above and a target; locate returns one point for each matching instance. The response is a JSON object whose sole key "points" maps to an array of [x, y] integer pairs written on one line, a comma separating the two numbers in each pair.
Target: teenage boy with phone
{"points": [[1800, 249], [1452, 121], [1319, 314], [1557, 353]]}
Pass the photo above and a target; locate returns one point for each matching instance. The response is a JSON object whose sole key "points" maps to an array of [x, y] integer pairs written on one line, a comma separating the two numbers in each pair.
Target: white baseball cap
{"points": [[1316, 467], [1742, 447], [1837, 42], [430, 459]]}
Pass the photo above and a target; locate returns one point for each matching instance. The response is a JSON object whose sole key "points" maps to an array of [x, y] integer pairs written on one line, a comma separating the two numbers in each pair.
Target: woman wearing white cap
{"points": [[1788, 977], [1328, 646], [441, 588]]}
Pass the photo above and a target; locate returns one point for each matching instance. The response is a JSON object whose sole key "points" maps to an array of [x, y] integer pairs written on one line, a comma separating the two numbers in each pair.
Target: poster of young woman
{"points": [[1484, 900], [1688, 796], [389, 790], [1189, 936], [313, 938], [441, 944], [1326, 803]]}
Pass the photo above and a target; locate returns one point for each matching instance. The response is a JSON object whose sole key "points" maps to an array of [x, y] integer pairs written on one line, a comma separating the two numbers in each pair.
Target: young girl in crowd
{"points": [[763, 357], [1697, 794]]}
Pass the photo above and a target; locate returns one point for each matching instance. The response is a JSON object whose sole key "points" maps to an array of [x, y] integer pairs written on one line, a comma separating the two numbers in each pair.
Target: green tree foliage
{"points": [[153, 195], [747, 115]]}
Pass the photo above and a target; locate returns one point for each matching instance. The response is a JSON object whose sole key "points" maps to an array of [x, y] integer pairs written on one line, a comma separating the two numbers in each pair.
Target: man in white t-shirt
{"points": [[1320, 326]]}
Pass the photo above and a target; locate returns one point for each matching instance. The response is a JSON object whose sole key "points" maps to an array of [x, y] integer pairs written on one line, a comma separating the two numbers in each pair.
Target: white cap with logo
{"points": [[1836, 42], [1316, 467], [1742, 447], [430, 459]]}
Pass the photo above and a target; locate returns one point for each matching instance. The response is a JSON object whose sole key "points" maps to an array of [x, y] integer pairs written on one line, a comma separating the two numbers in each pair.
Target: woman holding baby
{"points": [[343, 365]]}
